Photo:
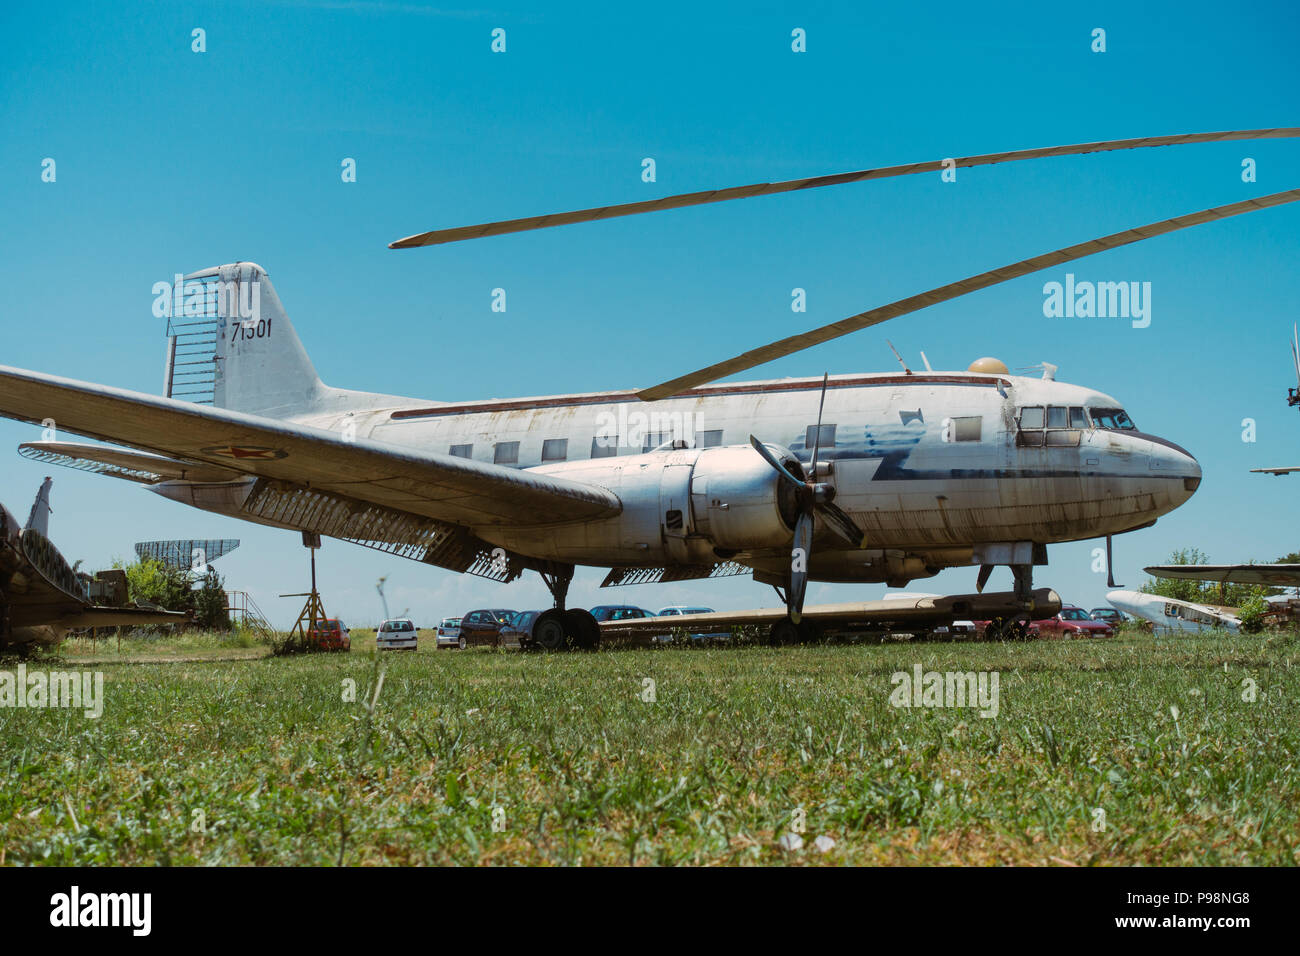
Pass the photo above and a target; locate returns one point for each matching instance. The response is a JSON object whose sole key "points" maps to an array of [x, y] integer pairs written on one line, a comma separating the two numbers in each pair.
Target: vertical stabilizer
{"points": [[39, 519]]}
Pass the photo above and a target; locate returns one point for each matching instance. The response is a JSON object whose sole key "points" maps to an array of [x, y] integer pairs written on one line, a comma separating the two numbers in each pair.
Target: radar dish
{"points": [[192, 554]]}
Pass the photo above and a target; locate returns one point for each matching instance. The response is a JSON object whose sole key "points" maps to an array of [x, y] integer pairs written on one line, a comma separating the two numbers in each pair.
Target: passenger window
{"points": [[709, 439], [461, 451], [555, 449], [1057, 417], [604, 446], [1077, 418], [506, 453], [966, 428]]}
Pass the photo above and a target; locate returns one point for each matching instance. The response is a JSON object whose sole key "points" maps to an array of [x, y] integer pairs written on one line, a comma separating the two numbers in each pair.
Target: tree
{"points": [[150, 581], [210, 604]]}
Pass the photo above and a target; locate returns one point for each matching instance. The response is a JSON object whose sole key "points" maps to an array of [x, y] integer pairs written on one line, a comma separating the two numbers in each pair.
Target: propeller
{"points": [[813, 498]]}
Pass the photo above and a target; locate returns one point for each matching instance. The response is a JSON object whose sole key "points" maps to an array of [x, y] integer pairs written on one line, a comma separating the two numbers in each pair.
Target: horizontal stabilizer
{"points": [[119, 463]]}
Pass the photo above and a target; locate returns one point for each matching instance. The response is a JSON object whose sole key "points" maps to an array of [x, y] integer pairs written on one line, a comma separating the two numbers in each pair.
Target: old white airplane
{"points": [[872, 477], [1170, 614]]}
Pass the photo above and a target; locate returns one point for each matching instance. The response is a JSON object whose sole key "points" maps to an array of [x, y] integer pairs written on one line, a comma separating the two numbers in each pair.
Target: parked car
{"points": [[519, 630], [1108, 615], [330, 634], [484, 626], [619, 612], [1070, 622], [449, 633], [398, 634], [679, 609]]}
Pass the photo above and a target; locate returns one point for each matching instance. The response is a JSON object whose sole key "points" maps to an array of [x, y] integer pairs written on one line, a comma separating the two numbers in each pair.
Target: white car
{"points": [[398, 634], [449, 633]]}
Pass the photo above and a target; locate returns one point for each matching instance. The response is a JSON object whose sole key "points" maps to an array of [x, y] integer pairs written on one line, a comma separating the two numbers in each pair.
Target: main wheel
{"points": [[551, 631], [584, 631], [783, 632]]}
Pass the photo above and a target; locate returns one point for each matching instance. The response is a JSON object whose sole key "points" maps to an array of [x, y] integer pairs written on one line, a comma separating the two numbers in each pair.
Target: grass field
{"points": [[266, 761]]}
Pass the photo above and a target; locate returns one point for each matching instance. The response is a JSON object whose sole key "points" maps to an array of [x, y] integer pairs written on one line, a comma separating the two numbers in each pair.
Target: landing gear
{"points": [[560, 629], [785, 632], [1024, 576]]}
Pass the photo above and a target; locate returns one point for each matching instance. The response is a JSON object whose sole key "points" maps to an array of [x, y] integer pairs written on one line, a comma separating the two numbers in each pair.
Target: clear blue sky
{"points": [[169, 161]]}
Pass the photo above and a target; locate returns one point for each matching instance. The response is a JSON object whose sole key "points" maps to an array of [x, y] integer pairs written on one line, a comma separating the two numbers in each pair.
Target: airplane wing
{"points": [[1285, 470], [1272, 575], [441, 487], [922, 612]]}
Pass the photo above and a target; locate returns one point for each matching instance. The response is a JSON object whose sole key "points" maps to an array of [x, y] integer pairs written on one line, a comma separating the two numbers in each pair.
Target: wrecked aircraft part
{"points": [[621, 577], [46, 560]]}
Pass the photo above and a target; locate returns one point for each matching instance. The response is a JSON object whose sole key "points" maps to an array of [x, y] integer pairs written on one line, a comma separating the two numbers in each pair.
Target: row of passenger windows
{"points": [[557, 449]]}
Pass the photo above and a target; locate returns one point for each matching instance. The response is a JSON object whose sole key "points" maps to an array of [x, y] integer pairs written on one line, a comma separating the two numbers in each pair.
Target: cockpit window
{"points": [[1111, 418], [1053, 425]]}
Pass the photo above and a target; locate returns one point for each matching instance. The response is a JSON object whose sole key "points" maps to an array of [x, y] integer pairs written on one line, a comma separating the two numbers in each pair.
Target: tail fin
{"points": [[39, 518], [231, 345], [260, 365]]}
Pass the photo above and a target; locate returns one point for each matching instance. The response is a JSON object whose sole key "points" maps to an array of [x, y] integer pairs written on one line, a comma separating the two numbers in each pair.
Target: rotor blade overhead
{"points": [[797, 343], [461, 233]]}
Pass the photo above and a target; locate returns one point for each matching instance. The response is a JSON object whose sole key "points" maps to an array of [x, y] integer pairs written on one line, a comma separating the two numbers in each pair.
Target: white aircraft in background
{"points": [[868, 477], [1173, 615], [1187, 615], [1292, 399]]}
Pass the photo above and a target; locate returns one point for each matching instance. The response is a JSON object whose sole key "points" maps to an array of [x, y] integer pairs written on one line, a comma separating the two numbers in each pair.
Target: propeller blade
{"points": [[503, 227], [817, 438], [839, 522], [772, 460], [797, 343], [983, 577], [799, 557]]}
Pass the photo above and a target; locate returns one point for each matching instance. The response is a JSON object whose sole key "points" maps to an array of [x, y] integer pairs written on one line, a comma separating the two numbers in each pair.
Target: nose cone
{"points": [[1178, 473], [1127, 601]]}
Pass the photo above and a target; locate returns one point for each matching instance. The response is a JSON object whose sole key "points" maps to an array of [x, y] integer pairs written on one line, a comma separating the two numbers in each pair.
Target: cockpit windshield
{"points": [[1113, 418]]}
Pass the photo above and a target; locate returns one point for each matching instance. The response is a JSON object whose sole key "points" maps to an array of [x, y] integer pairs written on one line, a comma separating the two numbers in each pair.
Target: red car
{"points": [[330, 634], [1071, 622]]}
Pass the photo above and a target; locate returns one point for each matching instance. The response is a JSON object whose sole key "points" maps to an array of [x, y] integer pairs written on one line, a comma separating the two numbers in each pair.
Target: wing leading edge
{"points": [[455, 490]]}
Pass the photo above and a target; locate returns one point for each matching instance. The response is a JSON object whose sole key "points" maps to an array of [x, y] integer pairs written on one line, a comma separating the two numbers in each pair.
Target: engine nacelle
{"points": [[739, 502], [684, 506]]}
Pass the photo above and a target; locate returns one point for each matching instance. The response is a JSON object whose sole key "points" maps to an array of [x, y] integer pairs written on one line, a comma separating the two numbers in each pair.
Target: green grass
{"points": [[284, 771]]}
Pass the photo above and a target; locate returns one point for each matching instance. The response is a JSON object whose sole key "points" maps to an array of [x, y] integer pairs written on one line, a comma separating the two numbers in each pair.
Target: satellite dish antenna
{"points": [[186, 554]]}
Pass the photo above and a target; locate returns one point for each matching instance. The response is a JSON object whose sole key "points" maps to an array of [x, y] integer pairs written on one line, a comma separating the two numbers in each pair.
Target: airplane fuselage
{"points": [[930, 465]]}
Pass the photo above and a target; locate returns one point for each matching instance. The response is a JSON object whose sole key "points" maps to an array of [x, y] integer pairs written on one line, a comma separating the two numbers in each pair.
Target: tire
{"points": [[582, 628], [462, 644], [551, 631], [783, 633]]}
